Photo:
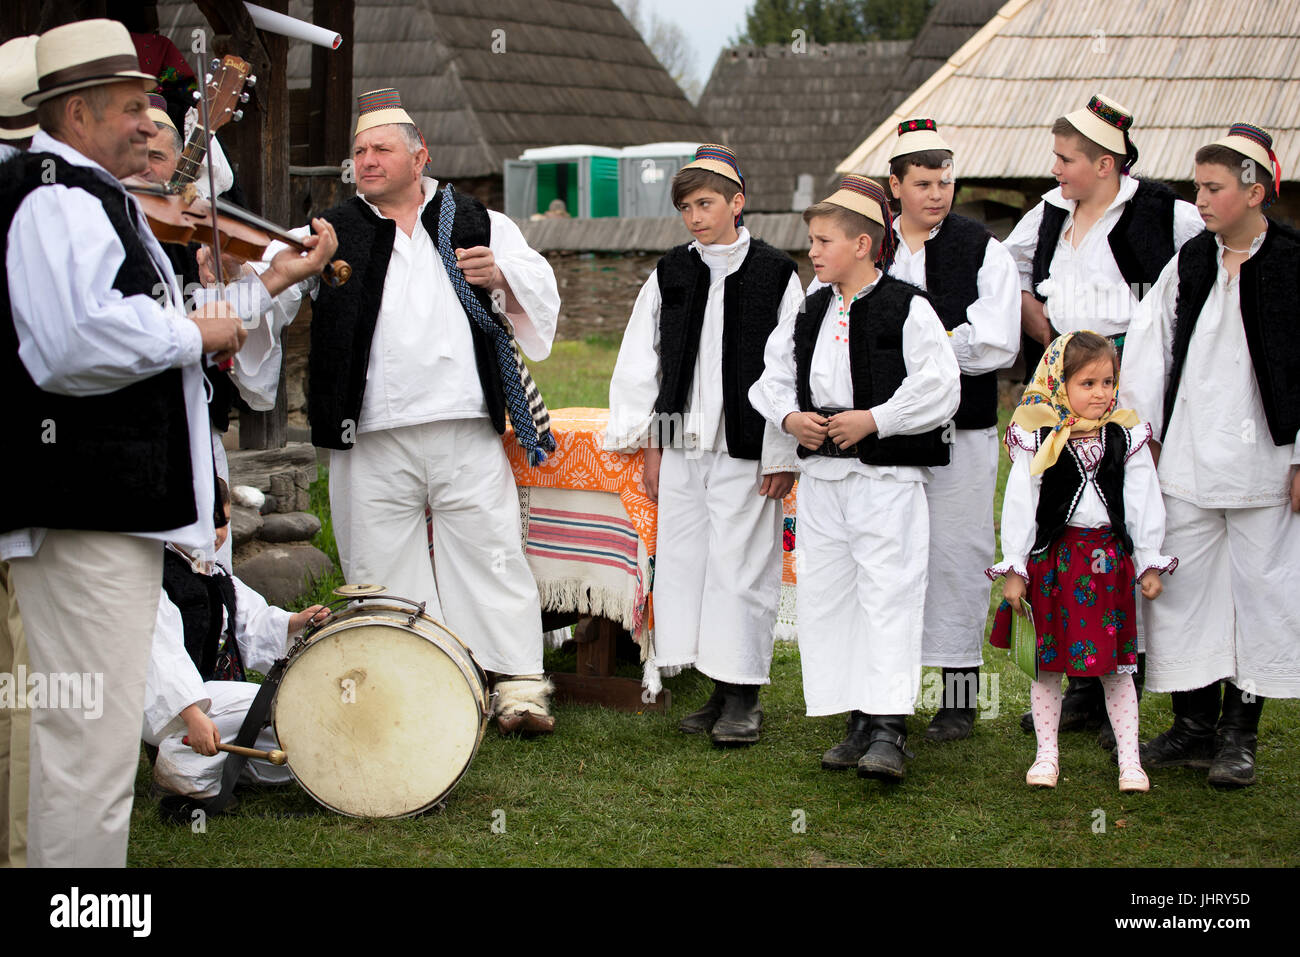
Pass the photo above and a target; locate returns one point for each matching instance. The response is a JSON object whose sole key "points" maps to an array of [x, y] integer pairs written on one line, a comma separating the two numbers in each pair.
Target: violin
{"points": [[183, 216]]}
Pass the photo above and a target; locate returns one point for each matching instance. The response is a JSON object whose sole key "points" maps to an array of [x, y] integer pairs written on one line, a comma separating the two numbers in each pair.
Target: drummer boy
{"points": [[210, 631]]}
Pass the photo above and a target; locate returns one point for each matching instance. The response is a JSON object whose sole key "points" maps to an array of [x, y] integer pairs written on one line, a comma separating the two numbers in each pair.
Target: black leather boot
{"points": [[887, 749], [1190, 742], [1234, 745], [741, 716], [955, 718], [845, 755], [701, 721]]}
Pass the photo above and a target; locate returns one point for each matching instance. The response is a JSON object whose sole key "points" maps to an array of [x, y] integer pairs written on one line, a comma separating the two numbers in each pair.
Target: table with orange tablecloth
{"points": [[564, 533]]}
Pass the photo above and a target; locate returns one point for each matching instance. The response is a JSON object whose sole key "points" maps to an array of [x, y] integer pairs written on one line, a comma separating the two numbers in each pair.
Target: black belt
{"points": [[829, 448]]}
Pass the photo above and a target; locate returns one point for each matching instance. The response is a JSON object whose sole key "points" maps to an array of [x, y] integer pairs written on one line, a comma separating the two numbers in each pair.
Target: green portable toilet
{"points": [[583, 178]]}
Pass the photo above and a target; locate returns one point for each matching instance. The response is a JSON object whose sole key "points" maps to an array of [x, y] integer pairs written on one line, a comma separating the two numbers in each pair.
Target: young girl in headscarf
{"points": [[1082, 526]]}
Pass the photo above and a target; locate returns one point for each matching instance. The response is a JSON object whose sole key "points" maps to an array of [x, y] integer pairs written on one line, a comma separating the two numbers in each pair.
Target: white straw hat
{"points": [[17, 79], [81, 54]]}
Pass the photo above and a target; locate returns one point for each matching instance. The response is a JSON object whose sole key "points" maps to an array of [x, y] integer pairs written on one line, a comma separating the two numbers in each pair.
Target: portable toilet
{"points": [[646, 177], [583, 178]]}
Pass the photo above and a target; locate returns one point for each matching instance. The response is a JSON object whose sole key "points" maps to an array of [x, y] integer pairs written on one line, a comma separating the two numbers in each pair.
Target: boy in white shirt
{"points": [[1213, 363], [693, 347]]}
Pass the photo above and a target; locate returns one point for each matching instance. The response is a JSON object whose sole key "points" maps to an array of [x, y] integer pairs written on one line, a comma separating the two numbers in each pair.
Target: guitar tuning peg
{"points": [[243, 98], [214, 64], [237, 115], [196, 96], [251, 81], [207, 78]]}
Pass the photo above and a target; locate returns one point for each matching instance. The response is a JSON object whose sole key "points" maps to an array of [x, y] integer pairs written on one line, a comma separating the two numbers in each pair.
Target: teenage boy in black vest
{"points": [[1213, 363], [864, 378], [211, 630], [1087, 255], [974, 287], [406, 389], [100, 377], [692, 349]]}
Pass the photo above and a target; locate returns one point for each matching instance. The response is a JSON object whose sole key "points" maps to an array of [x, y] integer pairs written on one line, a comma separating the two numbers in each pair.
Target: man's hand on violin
{"points": [[222, 331], [290, 267], [231, 267]]}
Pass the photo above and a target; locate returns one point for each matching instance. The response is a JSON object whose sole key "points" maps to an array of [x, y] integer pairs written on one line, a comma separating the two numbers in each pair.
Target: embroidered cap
{"points": [[864, 195], [158, 112], [17, 79], [916, 135], [1107, 124], [720, 160], [380, 108], [1256, 144], [81, 54]]}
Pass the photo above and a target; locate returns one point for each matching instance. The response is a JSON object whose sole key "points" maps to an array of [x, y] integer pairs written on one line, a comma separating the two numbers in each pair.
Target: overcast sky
{"points": [[708, 23]]}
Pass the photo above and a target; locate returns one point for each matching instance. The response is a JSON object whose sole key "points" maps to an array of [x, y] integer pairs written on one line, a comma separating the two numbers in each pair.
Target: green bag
{"points": [[1024, 641]]}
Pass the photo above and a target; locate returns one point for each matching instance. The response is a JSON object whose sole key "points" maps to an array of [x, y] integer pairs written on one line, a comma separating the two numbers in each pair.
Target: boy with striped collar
{"points": [[864, 378], [1213, 364], [974, 287], [1087, 254]]}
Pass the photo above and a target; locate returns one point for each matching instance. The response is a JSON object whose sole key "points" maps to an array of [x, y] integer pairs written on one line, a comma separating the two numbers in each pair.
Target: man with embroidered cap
{"points": [[17, 126], [863, 377], [412, 370], [973, 285], [1213, 364], [1087, 254], [99, 364], [693, 347]]}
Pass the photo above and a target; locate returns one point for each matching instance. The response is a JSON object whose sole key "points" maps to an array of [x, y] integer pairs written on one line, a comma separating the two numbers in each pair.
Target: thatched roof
{"points": [[571, 71], [1186, 68], [786, 113]]}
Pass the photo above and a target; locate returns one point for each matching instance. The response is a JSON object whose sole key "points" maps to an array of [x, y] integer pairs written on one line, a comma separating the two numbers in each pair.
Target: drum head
{"points": [[377, 720]]}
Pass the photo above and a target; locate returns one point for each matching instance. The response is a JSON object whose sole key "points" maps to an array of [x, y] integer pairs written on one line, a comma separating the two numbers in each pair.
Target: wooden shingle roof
{"points": [[1186, 68]]}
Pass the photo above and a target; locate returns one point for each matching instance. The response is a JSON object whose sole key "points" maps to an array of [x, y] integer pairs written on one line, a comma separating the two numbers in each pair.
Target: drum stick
{"points": [[276, 757]]}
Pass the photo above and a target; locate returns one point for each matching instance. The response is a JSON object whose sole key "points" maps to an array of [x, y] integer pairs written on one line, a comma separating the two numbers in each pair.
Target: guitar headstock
{"points": [[225, 91]]}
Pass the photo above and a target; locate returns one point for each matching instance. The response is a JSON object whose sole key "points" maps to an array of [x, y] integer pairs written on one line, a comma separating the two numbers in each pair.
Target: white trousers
{"points": [[960, 501], [182, 769], [717, 567], [479, 585], [1232, 608], [863, 545], [89, 601]]}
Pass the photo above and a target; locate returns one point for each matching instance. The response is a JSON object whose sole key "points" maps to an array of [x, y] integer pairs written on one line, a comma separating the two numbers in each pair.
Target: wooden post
{"points": [[330, 136]]}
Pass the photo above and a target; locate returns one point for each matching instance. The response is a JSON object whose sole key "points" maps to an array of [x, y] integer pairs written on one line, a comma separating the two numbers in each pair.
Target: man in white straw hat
{"points": [[1213, 363], [411, 373], [974, 287], [864, 378], [100, 375], [17, 126], [1087, 254]]}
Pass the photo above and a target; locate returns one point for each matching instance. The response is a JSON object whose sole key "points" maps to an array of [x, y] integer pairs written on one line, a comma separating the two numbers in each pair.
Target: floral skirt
{"points": [[1082, 591]]}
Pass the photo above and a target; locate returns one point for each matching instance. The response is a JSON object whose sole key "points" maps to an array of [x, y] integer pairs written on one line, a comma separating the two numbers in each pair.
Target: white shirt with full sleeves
{"points": [[173, 682], [926, 399], [1084, 288], [1217, 451], [422, 366], [990, 338], [78, 336], [634, 386], [1144, 510]]}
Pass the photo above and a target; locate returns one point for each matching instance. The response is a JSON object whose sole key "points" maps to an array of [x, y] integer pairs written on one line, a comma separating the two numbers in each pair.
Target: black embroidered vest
{"points": [[1269, 290], [117, 462], [343, 318], [952, 263], [751, 302], [1142, 242], [1063, 484], [876, 360], [201, 600]]}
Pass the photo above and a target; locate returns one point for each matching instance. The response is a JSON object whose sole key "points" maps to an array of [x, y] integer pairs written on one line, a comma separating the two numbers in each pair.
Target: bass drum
{"points": [[382, 711]]}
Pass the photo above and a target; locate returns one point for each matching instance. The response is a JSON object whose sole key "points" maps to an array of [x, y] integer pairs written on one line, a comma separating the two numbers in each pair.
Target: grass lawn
{"points": [[611, 789]]}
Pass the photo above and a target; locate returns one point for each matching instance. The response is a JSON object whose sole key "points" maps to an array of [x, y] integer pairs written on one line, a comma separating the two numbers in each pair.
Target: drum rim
{"points": [[482, 696]]}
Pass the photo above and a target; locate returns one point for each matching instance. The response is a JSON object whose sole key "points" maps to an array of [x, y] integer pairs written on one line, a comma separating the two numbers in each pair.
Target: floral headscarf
{"points": [[1045, 404]]}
